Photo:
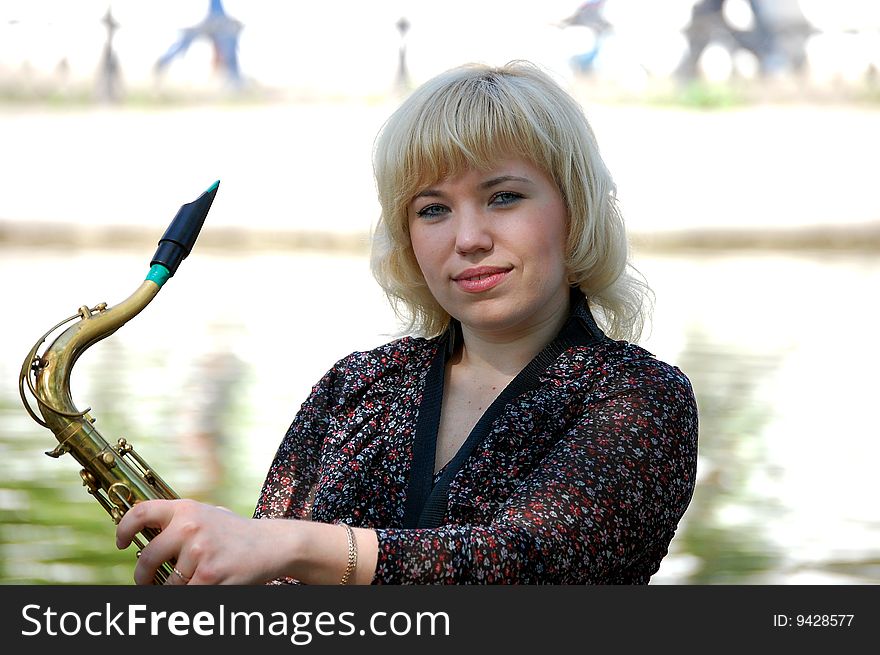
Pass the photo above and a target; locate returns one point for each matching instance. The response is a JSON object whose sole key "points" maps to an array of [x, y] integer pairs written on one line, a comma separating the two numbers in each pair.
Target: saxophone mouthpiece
{"points": [[181, 235]]}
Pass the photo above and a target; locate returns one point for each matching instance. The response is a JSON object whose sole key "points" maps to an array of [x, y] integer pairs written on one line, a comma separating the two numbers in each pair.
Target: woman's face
{"points": [[491, 246]]}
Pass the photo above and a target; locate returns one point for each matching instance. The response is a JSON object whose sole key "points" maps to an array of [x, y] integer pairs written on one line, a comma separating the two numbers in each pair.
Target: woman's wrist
{"points": [[351, 563], [318, 553], [368, 554]]}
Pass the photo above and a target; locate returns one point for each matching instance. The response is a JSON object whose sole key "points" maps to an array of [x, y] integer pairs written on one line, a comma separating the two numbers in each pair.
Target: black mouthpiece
{"points": [[178, 240]]}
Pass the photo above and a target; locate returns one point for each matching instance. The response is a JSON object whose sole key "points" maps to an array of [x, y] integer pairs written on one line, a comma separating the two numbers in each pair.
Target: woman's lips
{"points": [[476, 280]]}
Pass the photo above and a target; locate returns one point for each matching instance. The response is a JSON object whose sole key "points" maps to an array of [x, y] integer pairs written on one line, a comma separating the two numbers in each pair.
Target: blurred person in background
{"points": [[222, 31], [590, 15], [776, 36], [517, 434]]}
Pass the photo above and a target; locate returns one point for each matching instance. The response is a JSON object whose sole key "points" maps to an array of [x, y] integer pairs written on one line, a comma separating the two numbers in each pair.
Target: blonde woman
{"points": [[516, 434]]}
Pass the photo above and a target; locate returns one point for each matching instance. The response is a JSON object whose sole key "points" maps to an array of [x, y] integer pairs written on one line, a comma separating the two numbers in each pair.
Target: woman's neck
{"points": [[507, 353]]}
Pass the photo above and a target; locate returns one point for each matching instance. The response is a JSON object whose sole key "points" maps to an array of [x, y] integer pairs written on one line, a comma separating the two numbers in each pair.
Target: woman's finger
{"points": [[177, 575], [164, 547], [154, 514]]}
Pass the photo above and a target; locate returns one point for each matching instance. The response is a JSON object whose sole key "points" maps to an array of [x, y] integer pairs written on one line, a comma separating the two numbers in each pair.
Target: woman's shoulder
{"points": [[620, 364], [405, 356], [404, 350]]}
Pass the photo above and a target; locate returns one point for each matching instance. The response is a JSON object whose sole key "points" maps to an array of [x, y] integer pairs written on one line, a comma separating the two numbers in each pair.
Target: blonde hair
{"points": [[467, 118]]}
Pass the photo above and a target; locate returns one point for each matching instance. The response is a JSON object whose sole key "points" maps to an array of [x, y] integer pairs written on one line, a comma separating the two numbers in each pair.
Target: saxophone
{"points": [[115, 475]]}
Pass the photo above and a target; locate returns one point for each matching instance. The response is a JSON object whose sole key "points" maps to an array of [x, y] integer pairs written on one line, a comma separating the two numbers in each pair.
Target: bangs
{"points": [[471, 124]]}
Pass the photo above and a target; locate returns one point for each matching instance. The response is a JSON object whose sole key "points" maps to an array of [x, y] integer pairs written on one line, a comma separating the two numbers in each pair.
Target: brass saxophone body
{"points": [[115, 475]]}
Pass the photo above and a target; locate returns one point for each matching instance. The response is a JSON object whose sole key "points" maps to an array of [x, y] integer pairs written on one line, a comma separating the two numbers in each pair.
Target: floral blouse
{"points": [[579, 473]]}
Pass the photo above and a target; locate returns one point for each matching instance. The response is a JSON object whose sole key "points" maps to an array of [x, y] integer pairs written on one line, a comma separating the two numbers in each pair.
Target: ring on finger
{"points": [[180, 575]]}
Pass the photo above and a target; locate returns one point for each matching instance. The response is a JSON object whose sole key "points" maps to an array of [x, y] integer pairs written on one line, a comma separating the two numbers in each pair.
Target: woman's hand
{"points": [[211, 545]]}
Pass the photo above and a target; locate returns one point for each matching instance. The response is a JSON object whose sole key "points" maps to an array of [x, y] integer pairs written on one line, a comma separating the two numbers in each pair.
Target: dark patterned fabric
{"points": [[582, 479]]}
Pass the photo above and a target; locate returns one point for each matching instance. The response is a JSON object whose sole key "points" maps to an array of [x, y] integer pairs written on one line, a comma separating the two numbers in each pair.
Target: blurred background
{"points": [[743, 136]]}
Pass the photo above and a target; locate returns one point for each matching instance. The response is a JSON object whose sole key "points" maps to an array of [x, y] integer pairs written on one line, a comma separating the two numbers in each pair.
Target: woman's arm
{"points": [[212, 545], [294, 469], [608, 495]]}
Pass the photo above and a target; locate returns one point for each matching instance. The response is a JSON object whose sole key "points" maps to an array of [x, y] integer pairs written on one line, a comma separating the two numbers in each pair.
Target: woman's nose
{"points": [[473, 232]]}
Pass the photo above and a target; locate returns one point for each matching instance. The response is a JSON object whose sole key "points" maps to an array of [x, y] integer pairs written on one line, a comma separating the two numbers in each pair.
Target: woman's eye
{"points": [[432, 211], [505, 198]]}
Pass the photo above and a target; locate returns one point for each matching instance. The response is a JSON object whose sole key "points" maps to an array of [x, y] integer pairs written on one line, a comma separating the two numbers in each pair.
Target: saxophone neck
{"points": [[53, 368]]}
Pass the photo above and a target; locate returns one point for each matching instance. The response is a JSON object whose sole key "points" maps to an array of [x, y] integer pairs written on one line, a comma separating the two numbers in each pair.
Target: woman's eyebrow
{"points": [[428, 193], [488, 184], [501, 179]]}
